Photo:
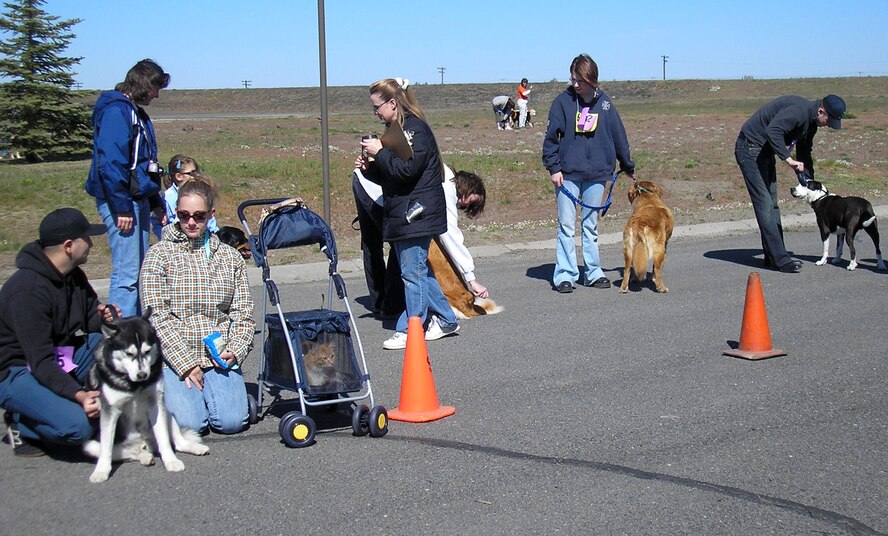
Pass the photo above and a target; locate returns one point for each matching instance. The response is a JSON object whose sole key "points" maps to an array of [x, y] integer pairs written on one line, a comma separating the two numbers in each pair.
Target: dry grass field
{"points": [[262, 143]]}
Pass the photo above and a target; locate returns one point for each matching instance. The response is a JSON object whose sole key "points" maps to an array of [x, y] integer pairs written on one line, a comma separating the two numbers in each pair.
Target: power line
{"points": [[441, 70], [246, 83], [664, 66]]}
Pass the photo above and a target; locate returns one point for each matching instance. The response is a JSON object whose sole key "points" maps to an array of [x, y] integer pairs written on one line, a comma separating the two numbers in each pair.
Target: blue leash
{"points": [[603, 208]]}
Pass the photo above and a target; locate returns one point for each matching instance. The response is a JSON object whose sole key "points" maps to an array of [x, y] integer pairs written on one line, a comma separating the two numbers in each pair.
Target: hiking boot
{"points": [[398, 341], [435, 331]]}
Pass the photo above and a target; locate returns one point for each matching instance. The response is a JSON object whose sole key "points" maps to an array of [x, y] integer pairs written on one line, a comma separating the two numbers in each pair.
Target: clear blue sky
{"points": [[274, 43]]}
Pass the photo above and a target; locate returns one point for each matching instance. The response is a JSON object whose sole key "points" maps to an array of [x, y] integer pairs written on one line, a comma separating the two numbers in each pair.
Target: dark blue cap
{"points": [[835, 109]]}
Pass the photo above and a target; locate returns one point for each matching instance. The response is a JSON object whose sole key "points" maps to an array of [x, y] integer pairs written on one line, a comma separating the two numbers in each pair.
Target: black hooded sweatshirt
{"points": [[40, 309]]}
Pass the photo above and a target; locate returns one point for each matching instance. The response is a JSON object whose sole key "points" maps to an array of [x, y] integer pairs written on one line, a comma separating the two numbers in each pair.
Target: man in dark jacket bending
{"points": [[50, 321], [772, 132]]}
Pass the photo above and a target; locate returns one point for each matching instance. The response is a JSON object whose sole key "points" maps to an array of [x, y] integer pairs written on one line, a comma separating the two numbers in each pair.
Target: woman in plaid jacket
{"points": [[197, 286]]}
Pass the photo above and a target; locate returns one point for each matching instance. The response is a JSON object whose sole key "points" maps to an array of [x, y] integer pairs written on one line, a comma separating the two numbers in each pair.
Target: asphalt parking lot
{"points": [[586, 413]]}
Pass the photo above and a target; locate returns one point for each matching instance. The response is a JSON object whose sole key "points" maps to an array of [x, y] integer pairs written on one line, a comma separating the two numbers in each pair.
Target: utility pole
{"points": [[325, 117], [664, 66], [441, 70], [246, 83], [77, 85]]}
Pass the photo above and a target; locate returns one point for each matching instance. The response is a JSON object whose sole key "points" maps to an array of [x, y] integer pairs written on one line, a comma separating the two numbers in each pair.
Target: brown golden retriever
{"points": [[461, 299], [646, 234]]}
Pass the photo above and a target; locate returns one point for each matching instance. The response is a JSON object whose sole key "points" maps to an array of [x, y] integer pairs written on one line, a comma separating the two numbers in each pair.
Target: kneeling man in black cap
{"points": [[50, 321], [771, 133]]}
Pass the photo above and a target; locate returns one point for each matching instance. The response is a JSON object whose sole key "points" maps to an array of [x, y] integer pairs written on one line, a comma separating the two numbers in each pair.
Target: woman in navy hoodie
{"points": [[125, 176], [584, 140], [414, 206]]}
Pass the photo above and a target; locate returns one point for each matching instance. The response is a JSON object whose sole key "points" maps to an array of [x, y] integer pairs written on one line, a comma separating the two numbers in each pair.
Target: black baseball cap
{"points": [[67, 224], [835, 109]]}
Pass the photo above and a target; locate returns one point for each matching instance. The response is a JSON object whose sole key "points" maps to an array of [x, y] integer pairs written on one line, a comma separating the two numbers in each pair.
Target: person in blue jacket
{"points": [[414, 207], [584, 140], [125, 176]]}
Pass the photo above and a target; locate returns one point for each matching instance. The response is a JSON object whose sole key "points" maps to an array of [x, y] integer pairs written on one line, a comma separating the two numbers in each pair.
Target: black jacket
{"points": [[782, 123], [405, 181], [41, 309]]}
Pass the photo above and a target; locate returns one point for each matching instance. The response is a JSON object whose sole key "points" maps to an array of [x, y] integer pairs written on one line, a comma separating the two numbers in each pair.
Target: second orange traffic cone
{"points": [[419, 400], [755, 336]]}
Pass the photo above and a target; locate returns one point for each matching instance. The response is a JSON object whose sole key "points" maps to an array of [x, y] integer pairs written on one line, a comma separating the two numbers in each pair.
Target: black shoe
{"points": [[29, 449], [21, 447], [601, 282], [565, 287], [792, 267], [767, 262]]}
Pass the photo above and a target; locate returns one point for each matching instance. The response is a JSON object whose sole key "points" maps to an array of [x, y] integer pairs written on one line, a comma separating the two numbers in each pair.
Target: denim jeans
{"points": [[759, 171], [127, 253], [421, 290], [590, 193], [42, 414], [221, 405]]}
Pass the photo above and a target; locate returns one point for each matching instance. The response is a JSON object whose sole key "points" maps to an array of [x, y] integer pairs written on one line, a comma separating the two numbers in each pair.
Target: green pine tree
{"points": [[38, 113]]}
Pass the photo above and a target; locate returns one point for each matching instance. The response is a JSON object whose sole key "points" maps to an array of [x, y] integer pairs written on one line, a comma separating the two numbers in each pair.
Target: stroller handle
{"points": [[257, 202]]}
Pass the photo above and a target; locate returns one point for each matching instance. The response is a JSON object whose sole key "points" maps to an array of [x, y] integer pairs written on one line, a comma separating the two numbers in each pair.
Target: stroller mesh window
{"points": [[323, 349]]}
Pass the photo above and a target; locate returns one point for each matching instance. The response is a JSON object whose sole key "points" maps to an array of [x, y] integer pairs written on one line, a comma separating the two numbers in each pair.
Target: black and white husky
{"points": [[127, 373]]}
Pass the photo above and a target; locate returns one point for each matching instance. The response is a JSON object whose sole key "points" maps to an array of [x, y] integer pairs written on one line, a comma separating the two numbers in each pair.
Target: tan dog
{"points": [[461, 299], [646, 234]]}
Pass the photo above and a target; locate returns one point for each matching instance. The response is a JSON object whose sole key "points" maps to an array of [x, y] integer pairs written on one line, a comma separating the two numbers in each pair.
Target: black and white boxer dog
{"points": [[842, 216]]}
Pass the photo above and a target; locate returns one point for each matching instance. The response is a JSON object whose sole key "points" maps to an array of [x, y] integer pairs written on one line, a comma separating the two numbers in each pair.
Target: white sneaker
{"points": [[398, 341], [435, 331], [507, 128]]}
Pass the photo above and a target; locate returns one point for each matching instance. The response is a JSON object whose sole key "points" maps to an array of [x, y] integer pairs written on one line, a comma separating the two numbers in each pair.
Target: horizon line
{"points": [[553, 81]]}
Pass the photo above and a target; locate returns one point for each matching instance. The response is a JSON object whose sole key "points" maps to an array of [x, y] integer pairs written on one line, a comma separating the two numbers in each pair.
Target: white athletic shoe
{"points": [[435, 331], [398, 341]]}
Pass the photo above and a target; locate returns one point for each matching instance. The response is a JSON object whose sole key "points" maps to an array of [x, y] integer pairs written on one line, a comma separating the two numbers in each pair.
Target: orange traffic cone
{"points": [[755, 337], [419, 401]]}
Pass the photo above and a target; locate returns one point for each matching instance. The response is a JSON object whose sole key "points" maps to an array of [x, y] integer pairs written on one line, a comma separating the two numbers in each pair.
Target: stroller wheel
{"points": [[297, 430], [378, 421], [359, 420], [282, 424], [252, 409]]}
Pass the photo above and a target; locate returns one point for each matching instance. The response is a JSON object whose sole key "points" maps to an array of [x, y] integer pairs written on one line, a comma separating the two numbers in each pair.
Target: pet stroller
{"points": [[308, 352]]}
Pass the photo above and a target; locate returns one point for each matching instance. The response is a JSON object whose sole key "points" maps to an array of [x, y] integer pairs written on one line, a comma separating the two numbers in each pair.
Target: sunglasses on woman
{"points": [[199, 217]]}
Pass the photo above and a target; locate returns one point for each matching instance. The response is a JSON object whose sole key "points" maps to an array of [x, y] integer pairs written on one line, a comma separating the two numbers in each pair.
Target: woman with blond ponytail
{"points": [[414, 206]]}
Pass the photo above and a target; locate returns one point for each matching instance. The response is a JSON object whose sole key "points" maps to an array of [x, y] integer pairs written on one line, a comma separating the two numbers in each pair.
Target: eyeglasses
{"points": [[577, 81], [192, 173], [376, 107], [199, 217]]}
